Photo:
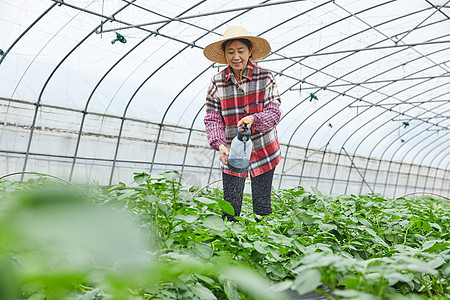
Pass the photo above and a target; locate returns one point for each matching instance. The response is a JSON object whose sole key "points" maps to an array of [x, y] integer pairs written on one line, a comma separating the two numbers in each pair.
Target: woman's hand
{"points": [[250, 118], [224, 153]]}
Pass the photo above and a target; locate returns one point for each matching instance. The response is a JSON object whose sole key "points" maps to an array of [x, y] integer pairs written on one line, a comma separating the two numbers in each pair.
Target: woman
{"points": [[243, 91]]}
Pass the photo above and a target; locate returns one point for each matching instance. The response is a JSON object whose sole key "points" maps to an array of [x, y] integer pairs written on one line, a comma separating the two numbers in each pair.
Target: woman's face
{"points": [[237, 55]]}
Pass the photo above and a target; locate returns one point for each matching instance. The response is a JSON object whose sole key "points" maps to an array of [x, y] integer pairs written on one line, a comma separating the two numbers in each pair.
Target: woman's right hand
{"points": [[224, 154]]}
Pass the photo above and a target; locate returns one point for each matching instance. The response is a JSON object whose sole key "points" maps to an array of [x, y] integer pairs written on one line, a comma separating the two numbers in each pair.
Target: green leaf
{"points": [[162, 207], [230, 290], [214, 222], [437, 262], [205, 200], [261, 247], [306, 219], [436, 226], [187, 218], [317, 192], [206, 279], [281, 286], [428, 244], [396, 277], [151, 198], [327, 227], [446, 270], [186, 196], [226, 207], [251, 282], [307, 281], [127, 194], [202, 293], [356, 295], [171, 175], [91, 295], [364, 222], [421, 267], [276, 270], [205, 251], [140, 177]]}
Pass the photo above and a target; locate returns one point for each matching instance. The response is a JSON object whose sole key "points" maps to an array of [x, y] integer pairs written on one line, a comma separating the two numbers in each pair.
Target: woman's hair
{"points": [[245, 41]]}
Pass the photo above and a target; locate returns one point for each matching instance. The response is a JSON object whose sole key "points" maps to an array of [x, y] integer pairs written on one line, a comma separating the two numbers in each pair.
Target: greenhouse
{"points": [[109, 99]]}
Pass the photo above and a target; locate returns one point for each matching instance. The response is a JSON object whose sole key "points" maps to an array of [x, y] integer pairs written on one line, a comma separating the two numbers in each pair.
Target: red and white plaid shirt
{"points": [[227, 102]]}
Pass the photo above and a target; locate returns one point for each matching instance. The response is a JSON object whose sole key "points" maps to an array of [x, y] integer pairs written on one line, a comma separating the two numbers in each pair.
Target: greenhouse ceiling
{"points": [[367, 78]]}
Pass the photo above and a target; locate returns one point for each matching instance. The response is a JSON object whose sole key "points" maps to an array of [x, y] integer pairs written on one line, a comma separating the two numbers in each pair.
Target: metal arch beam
{"points": [[423, 21], [169, 19], [379, 142], [295, 62], [415, 156], [344, 93], [350, 72], [388, 134], [357, 50], [383, 23], [348, 56], [398, 149], [429, 151], [101, 80], [335, 22], [38, 104], [390, 144], [85, 111], [341, 59], [437, 169], [189, 139], [319, 29], [161, 124], [25, 32], [448, 181], [373, 82], [410, 166], [434, 158], [263, 4], [113, 19], [401, 161], [378, 128], [128, 105], [439, 8], [350, 83], [350, 120]]}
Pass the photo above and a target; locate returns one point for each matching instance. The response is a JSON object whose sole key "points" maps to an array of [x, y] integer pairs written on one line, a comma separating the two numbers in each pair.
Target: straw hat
{"points": [[260, 46]]}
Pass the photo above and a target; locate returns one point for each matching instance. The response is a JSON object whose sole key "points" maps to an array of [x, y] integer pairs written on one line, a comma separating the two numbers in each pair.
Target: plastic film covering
{"points": [[98, 90]]}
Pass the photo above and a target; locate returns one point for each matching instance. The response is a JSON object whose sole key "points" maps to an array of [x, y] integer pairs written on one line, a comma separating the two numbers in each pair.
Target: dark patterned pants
{"points": [[233, 189]]}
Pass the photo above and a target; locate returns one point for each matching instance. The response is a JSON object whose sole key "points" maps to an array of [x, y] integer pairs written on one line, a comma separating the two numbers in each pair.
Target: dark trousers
{"points": [[233, 189]]}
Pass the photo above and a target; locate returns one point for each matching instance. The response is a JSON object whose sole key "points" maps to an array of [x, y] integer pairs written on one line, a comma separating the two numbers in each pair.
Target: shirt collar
{"points": [[247, 72]]}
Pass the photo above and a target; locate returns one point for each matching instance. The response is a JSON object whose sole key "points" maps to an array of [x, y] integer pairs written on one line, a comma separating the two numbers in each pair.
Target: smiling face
{"points": [[237, 55]]}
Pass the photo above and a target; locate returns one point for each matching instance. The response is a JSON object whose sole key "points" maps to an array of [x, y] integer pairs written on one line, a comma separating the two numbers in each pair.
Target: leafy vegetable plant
{"points": [[155, 240]]}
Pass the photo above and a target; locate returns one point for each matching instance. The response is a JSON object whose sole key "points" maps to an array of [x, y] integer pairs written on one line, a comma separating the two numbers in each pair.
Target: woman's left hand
{"points": [[250, 118]]}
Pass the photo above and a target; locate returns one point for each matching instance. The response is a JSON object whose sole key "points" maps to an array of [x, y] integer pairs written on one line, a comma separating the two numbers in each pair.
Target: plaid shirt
{"points": [[228, 101]]}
